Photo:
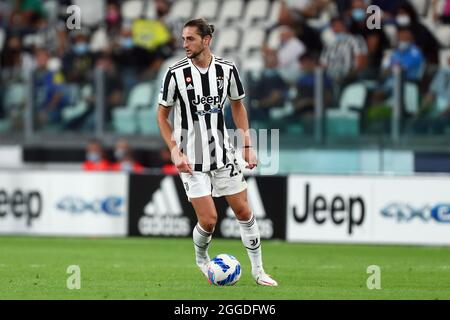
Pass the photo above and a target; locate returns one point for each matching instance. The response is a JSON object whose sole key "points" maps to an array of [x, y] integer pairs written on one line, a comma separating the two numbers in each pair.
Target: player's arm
{"points": [[166, 101], [178, 158], [240, 119], [236, 94]]}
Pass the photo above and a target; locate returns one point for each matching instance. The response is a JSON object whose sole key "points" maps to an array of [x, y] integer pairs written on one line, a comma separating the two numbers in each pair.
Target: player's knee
{"points": [[209, 223], [243, 213]]}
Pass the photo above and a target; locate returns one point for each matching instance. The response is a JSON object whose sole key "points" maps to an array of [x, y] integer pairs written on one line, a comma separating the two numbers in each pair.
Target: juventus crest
{"points": [[220, 83]]}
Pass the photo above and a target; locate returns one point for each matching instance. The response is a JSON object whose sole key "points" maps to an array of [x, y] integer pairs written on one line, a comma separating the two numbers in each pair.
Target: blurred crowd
{"points": [[310, 33]]}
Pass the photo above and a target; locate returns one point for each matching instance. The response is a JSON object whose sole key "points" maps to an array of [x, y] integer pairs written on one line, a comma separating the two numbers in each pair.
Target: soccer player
{"points": [[197, 87]]}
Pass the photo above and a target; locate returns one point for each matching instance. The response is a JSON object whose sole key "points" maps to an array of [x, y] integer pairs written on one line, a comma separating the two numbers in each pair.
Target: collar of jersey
{"points": [[210, 63]]}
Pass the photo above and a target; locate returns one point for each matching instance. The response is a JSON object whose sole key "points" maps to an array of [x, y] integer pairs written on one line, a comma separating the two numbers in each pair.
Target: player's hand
{"points": [[250, 157], [180, 160]]}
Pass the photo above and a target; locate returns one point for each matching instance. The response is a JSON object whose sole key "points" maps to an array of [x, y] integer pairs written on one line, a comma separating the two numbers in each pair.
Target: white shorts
{"points": [[224, 181]]}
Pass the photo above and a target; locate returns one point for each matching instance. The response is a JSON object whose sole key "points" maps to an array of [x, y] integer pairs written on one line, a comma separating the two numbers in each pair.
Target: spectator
{"points": [[50, 91], [285, 58], [346, 58], [124, 158], [408, 55], [376, 39], [441, 14], [434, 114], [406, 17], [269, 91], [95, 157], [78, 63], [306, 84]]}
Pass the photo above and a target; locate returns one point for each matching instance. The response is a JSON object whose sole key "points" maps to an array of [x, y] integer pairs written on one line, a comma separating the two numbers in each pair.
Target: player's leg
{"points": [[250, 236], [198, 190], [202, 234]]}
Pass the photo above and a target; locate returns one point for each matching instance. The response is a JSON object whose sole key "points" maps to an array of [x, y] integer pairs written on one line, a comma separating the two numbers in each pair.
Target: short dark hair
{"points": [[203, 27]]}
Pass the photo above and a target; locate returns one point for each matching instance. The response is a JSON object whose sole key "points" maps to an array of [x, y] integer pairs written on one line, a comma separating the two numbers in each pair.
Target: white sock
{"points": [[251, 239], [202, 239]]}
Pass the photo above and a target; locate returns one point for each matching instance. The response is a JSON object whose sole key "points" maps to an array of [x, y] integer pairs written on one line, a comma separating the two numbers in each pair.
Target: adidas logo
{"points": [[230, 227], [165, 200], [163, 214], [190, 87]]}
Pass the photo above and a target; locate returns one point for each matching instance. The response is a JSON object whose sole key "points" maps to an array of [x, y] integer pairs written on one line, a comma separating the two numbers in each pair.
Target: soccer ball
{"points": [[224, 270]]}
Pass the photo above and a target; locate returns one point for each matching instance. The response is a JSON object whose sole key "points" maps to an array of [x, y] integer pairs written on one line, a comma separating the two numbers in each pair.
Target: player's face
{"points": [[193, 42]]}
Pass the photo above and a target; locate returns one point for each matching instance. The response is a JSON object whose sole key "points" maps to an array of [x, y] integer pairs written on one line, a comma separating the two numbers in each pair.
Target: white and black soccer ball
{"points": [[224, 270]]}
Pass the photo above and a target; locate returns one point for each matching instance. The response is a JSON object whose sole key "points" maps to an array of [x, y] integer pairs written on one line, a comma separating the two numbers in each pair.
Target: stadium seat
{"points": [[421, 6], [124, 120], [14, 96], [140, 96], [77, 101], [342, 123], [181, 10], [231, 11], [147, 121], [411, 98], [252, 41], [93, 12], [132, 9], [443, 35], [353, 97], [99, 40], [256, 11], [150, 10], [322, 21], [273, 40], [227, 41], [443, 57], [207, 9], [274, 13]]}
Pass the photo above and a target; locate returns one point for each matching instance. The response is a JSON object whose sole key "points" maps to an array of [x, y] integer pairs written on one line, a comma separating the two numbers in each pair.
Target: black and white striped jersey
{"points": [[198, 100]]}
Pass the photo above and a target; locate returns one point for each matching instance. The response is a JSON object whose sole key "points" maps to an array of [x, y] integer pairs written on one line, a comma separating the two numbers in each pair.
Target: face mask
{"points": [[93, 156], [126, 166], [403, 20], [340, 37], [119, 154], [358, 14], [404, 45], [80, 48], [126, 43]]}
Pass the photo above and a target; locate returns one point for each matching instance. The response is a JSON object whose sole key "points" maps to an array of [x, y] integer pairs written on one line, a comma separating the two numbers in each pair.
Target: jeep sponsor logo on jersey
{"points": [[210, 100]]}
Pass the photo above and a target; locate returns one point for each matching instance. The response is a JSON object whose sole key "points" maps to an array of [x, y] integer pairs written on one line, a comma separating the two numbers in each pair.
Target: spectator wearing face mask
{"points": [[408, 55], [346, 58], [376, 39], [124, 158], [406, 17], [78, 62], [95, 157]]}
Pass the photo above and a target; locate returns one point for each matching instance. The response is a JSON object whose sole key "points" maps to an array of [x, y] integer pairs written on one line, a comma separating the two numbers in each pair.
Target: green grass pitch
{"points": [[143, 268]]}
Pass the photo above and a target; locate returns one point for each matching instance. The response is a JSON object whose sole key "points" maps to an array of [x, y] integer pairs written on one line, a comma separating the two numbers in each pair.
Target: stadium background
{"points": [[363, 148]]}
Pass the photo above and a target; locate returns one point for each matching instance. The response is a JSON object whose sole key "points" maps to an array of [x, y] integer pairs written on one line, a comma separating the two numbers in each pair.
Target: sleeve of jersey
{"points": [[167, 92], [236, 89]]}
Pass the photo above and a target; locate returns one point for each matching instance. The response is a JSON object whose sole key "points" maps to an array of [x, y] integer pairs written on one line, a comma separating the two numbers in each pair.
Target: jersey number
{"points": [[233, 168]]}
